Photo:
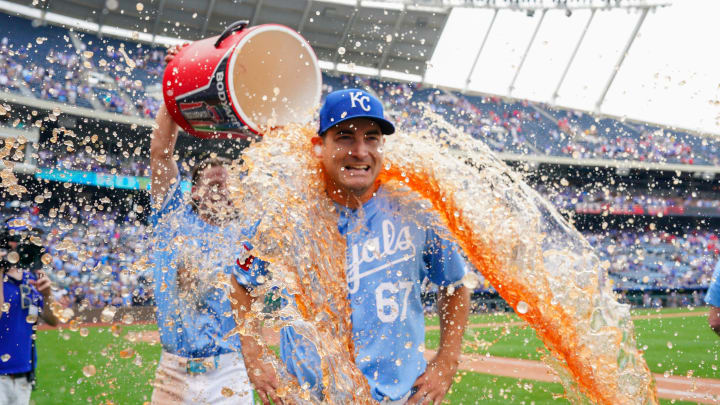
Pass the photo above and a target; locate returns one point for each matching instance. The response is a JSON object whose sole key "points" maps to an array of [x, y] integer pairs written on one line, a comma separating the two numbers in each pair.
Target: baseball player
{"points": [[390, 253]]}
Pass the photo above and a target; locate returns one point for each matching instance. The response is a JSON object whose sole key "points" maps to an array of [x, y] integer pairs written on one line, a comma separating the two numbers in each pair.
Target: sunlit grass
{"points": [[678, 346], [123, 379], [120, 377]]}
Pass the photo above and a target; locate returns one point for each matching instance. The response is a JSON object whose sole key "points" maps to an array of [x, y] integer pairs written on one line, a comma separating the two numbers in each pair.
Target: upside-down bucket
{"points": [[243, 81]]}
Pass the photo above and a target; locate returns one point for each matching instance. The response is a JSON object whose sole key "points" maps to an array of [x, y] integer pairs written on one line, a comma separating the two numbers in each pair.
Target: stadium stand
{"points": [[97, 279], [123, 77], [108, 74], [633, 202]]}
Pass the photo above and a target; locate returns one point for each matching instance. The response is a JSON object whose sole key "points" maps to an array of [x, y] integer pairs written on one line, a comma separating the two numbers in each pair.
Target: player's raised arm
{"points": [[163, 166], [162, 149]]}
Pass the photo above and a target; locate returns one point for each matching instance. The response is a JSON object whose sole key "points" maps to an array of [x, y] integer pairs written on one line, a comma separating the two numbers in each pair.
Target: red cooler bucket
{"points": [[247, 79]]}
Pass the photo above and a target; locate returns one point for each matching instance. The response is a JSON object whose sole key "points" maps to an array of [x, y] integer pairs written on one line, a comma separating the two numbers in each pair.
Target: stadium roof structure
{"points": [[392, 37], [640, 60]]}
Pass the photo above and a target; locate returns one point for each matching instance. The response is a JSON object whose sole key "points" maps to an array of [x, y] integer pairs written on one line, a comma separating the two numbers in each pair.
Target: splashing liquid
{"points": [[519, 243]]}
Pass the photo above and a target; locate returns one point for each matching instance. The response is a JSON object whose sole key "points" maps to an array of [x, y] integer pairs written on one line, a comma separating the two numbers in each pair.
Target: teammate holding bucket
{"points": [[214, 88]]}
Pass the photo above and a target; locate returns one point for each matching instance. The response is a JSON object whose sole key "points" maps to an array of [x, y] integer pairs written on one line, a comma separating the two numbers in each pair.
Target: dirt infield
{"points": [[521, 323], [700, 390]]}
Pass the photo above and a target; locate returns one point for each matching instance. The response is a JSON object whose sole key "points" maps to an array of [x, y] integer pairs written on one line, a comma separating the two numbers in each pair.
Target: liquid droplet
{"points": [[46, 258], [127, 319], [522, 307], [89, 370], [126, 354], [107, 314], [13, 257]]}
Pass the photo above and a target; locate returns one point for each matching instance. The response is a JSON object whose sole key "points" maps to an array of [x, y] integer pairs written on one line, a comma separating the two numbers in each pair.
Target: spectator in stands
{"points": [[24, 297]]}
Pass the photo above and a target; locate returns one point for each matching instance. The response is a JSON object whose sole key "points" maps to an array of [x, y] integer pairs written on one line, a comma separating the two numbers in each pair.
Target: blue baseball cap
{"points": [[343, 105]]}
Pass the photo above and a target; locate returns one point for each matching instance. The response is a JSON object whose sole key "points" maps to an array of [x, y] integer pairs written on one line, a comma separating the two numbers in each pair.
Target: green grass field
{"points": [[123, 370], [674, 345]]}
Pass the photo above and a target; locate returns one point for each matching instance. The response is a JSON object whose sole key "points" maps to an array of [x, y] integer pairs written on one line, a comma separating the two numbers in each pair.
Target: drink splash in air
{"points": [[537, 262]]}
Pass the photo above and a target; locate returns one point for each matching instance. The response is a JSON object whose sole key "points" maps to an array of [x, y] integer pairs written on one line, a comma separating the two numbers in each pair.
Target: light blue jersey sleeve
{"points": [[248, 270], [163, 273], [445, 264], [174, 199], [713, 294]]}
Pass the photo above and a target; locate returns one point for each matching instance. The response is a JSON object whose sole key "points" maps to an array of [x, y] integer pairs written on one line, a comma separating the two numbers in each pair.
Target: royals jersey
{"points": [[391, 251], [189, 256]]}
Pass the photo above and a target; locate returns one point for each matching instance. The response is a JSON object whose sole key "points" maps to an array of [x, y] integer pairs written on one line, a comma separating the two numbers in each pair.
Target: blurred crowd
{"points": [[117, 76], [587, 139], [132, 68], [664, 203], [58, 80], [94, 254], [657, 259], [94, 251], [97, 256], [54, 70]]}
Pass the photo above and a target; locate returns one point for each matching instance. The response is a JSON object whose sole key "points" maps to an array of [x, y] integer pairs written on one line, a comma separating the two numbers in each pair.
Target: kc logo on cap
{"points": [[357, 96], [343, 105]]}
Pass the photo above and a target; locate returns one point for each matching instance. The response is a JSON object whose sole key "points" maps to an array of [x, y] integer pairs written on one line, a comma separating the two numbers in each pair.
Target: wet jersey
{"points": [[390, 253], [193, 311]]}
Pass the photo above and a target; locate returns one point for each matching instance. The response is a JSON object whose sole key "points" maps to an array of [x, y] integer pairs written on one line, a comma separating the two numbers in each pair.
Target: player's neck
{"points": [[350, 198]]}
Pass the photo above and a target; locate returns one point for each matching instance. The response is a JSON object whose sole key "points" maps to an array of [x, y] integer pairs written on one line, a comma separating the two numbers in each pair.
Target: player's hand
{"points": [[435, 382], [262, 375], [173, 50], [42, 284]]}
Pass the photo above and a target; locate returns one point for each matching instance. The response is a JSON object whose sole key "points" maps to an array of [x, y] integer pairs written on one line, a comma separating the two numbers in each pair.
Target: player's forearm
{"points": [[714, 319], [453, 311], [241, 302], [250, 331]]}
